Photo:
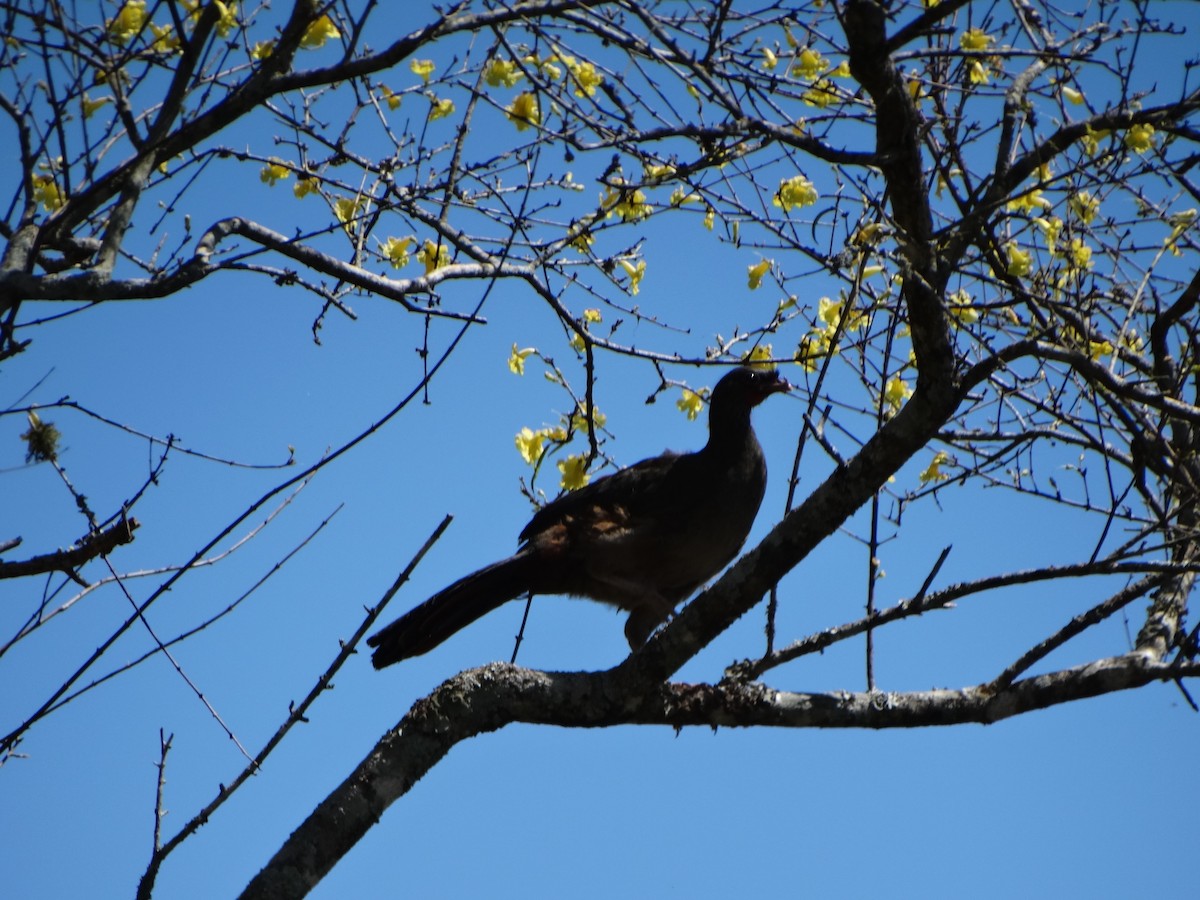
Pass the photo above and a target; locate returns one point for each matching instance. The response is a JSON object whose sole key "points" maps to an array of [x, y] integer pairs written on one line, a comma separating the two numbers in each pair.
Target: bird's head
{"points": [[749, 387]]}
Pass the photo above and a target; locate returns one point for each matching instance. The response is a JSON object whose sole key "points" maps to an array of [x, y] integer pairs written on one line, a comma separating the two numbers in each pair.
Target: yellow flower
{"points": [[273, 172], [1130, 340], [320, 31], [583, 241], [809, 64], [916, 90], [691, 402], [709, 218], [1098, 349], [896, 392], [545, 65], [756, 272], [795, 191], [90, 106], [961, 309], [586, 79], [226, 17], [578, 344], [867, 235], [814, 346], [434, 256], [658, 172], [1140, 138], [1030, 201], [516, 361], [975, 39], [441, 108], [304, 187], [346, 209], [1085, 206], [1019, 261], [422, 67], [396, 251], [631, 206], [1073, 96], [1179, 222], [592, 315], [1079, 254], [635, 272], [128, 21], [1091, 139], [46, 192], [760, 357], [502, 73], [977, 72], [574, 471], [523, 111], [770, 60], [842, 70], [1050, 228], [529, 445], [830, 313], [821, 94], [933, 472], [390, 97], [263, 49], [579, 420], [680, 196], [165, 38]]}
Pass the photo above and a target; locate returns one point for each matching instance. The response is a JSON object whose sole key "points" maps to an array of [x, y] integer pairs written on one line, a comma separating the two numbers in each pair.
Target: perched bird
{"points": [[642, 539]]}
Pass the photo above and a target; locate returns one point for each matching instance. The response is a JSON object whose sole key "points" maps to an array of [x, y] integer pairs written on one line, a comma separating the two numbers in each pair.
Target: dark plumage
{"points": [[642, 539]]}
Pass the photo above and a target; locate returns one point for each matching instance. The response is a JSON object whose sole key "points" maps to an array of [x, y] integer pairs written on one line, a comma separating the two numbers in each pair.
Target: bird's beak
{"points": [[780, 386]]}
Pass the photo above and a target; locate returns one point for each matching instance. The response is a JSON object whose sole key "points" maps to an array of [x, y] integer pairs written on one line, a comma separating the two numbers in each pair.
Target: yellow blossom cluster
{"points": [[574, 472], [516, 359], [933, 472], [502, 73], [795, 191], [961, 308], [760, 357], [395, 250], [531, 443], [274, 171], [523, 111], [756, 272], [317, 33], [832, 315], [132, 19], [895, 392], [440, 108], [434, 256], [635, 271], [1180, 223], [691, 402], [628, 203], [47, 192]]}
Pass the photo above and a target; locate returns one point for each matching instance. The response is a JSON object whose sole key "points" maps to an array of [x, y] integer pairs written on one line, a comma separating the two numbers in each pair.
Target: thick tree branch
{"points": [[101, 543], [483, 700]]}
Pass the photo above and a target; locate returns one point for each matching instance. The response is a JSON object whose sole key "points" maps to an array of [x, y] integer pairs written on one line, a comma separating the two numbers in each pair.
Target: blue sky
{"points": [[1076, 801]]}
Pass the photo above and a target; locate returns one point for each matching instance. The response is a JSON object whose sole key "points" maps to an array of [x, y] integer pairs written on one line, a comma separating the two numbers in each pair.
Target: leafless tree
{"points": [[1002, 198]]}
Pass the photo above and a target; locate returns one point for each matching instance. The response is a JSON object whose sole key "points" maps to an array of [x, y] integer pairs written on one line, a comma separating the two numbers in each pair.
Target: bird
{"points": [[641, 539]]}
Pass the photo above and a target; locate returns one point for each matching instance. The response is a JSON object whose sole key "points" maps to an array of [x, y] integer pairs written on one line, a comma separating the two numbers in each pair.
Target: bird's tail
{"points": [[445, 613]]}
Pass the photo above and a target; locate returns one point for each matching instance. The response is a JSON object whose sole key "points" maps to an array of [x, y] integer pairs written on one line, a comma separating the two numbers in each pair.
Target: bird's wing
{"points": [[641, 490]]}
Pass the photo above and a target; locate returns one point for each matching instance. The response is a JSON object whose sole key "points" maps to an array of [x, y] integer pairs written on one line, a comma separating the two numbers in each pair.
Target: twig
{"points": [[296, 713]]}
